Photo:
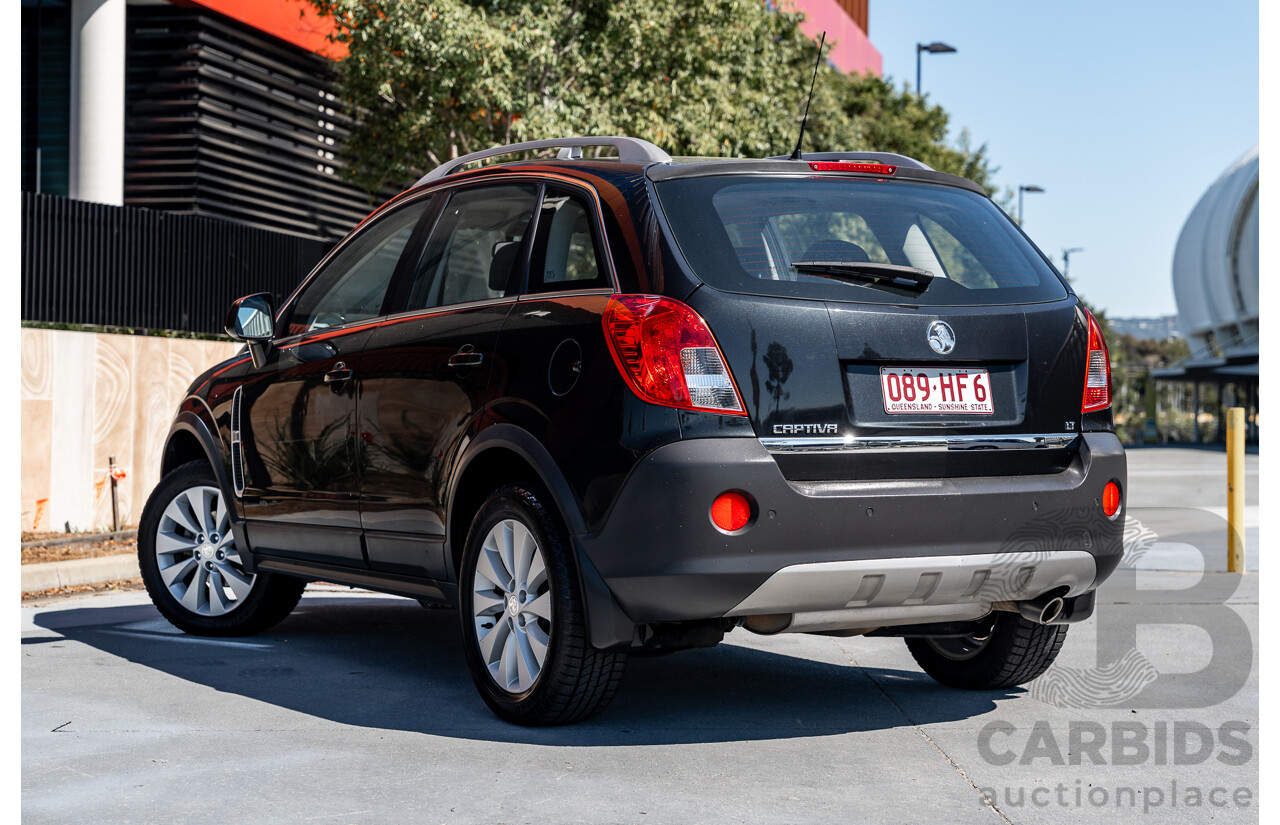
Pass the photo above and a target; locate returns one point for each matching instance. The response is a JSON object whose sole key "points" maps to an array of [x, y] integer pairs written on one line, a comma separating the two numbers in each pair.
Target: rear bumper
{"points": [[901, 551]]}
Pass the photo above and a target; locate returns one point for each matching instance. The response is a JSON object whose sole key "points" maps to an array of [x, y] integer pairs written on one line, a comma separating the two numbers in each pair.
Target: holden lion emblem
{"points": [[941, 338]]}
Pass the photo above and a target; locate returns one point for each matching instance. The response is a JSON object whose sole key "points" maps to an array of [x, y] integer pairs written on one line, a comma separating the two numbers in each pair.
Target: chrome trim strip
{"points": [[410, 314], [237, 449], [566, 293], [919, 443]]}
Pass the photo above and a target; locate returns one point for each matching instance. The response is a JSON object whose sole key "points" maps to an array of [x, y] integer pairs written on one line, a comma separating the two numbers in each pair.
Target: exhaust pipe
{"points": [[1043, 609]]}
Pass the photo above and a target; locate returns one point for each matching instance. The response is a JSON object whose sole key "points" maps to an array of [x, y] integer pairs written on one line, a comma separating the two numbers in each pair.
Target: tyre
{"points": [[523, 621], [1013, 651], [192, 567]]}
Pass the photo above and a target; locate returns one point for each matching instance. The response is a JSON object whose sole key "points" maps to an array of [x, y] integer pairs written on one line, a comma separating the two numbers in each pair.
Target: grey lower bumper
{"points": [[812, 546], [873, 592]]}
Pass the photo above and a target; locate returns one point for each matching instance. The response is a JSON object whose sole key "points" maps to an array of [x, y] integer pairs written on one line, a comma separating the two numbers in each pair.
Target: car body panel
{"points": [[416, 411]]}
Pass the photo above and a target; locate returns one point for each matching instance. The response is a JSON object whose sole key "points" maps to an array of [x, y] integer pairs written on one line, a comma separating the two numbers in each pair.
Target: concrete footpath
{"points": [[358, 709], [47, 576]]}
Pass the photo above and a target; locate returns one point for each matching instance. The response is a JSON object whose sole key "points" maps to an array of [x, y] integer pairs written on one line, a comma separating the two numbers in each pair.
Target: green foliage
{"points": [[432, 81], [1132, 360], [893, 120], [1134, 391]]}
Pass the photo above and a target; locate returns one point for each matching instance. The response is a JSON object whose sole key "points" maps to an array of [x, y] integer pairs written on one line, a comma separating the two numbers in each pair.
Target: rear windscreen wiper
{"points": [[889, 275]]}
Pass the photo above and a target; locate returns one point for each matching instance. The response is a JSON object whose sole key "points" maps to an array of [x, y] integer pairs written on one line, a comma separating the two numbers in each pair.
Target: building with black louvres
{"points": [[219, 118], [204, 110]]}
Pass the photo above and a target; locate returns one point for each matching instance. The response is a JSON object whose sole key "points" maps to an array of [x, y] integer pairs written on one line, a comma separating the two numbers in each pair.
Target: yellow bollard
{"points": [[1235, 490]]}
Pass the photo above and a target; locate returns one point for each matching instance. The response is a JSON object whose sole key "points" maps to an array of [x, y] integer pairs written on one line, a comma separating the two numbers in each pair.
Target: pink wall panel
{"points": [[853, 52]]}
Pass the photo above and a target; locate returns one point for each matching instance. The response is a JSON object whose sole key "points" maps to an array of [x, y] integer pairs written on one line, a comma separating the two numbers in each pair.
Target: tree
{"points": [[779, 365], [431, 81], [894, 120]]}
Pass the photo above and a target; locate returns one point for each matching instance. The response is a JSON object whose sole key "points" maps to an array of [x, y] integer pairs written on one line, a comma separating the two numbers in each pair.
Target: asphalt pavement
{"points": [[358, 709]]}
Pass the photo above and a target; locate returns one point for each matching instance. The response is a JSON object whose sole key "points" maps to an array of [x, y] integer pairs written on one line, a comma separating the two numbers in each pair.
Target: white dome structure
{"points": [[1215, 281], [1215, 271]]}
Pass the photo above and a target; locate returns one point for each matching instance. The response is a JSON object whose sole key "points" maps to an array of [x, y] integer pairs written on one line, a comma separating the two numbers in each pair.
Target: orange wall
{"points": [[292, 20], [297, 22]]}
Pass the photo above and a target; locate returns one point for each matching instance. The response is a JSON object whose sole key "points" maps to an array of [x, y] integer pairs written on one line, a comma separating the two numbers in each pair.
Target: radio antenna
{"points": [[816, 63]]}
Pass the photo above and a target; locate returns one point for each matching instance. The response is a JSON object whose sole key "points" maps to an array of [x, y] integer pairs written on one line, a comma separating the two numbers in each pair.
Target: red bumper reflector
{"points": [[731, 511], [837, 166], [1111, 499]]}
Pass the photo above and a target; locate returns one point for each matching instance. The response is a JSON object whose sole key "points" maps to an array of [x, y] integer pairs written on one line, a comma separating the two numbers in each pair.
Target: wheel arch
{"points": [[192, 439], [501, 454], [183, 446]]}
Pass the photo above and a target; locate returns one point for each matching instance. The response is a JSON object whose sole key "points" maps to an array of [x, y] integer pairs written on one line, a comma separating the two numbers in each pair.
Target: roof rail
{"points": [[881, 157], [630, 150]]}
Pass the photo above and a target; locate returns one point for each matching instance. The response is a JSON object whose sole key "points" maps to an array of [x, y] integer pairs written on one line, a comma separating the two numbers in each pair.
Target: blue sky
{"points": [[1123, 111]]}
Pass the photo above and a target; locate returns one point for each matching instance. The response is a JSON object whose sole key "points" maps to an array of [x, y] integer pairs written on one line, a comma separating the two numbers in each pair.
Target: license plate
{"points": [[911, 390]]}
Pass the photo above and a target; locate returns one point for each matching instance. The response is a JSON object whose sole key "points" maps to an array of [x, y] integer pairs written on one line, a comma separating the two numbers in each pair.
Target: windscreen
{"points": [[755, 234]]}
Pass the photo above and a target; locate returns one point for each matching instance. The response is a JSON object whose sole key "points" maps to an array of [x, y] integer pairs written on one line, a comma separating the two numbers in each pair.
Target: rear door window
{"points": [[565, 252], [475, 247], [744, 235]]}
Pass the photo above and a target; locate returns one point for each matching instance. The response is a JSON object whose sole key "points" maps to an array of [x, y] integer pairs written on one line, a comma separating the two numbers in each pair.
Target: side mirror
{"points": [[251, 319]]}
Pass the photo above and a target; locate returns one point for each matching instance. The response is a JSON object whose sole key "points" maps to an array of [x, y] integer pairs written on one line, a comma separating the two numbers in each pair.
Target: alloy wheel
{"points": [[511, 606], [197, 556]]}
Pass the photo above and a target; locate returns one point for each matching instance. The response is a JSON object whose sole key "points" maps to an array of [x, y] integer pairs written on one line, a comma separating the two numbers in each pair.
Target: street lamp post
{"points": [[1066, 259], [1021, 189], [931, 48]]}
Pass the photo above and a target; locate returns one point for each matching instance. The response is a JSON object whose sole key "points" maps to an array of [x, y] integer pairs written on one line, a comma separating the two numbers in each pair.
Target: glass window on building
{"points": [[46, 95]]}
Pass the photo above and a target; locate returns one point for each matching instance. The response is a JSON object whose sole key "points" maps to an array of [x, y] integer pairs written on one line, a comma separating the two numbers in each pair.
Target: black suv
{"points": [[609, 406]]}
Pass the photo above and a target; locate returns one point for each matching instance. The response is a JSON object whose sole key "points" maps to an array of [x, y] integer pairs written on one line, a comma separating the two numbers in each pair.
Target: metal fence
{"points": [[89, 263]]}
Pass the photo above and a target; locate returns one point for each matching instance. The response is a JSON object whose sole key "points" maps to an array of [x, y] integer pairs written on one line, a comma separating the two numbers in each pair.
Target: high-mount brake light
{"points": [[668, 356], [840, 166], [1097, 375]]}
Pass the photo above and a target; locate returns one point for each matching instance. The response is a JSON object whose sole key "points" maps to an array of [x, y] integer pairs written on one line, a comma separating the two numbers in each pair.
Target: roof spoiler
{"points": [[855, 157]]}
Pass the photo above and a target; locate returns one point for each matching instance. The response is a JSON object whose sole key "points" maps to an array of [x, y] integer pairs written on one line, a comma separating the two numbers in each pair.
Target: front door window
{"points": [[354, 284]]}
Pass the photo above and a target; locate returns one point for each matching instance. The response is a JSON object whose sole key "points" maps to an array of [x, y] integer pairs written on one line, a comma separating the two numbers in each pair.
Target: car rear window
{"points": [[742, 234]]}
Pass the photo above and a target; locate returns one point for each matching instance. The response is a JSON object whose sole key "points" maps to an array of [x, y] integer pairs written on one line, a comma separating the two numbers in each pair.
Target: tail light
{"points": [[667, 354], [1097, 375]]}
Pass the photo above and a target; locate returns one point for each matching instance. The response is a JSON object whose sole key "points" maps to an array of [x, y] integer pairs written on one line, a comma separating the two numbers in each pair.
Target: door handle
{"points": [[338, 374], [466, 357]]}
